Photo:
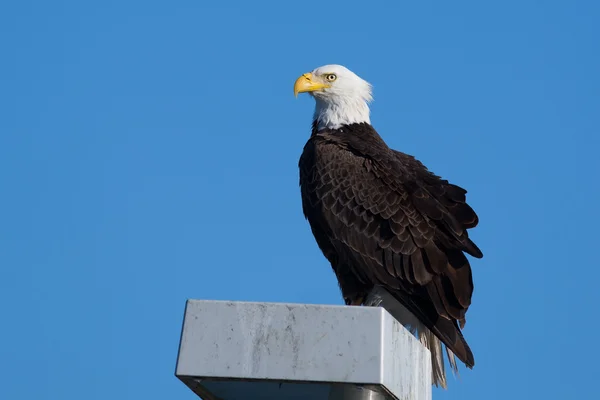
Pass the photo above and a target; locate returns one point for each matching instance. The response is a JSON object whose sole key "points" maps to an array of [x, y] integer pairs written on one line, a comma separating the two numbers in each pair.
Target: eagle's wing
{"points": [[403, 227]]}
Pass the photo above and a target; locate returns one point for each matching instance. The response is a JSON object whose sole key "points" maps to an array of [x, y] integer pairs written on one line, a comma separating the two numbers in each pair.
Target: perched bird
{"points": [[383, 220]]}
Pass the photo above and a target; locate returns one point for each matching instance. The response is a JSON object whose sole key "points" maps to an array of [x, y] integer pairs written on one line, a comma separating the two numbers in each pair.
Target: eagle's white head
{"points": [[341, 96]]}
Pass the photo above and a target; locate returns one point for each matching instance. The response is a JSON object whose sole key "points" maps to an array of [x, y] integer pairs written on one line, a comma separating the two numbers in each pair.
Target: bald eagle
{"points": [[383, 220]]}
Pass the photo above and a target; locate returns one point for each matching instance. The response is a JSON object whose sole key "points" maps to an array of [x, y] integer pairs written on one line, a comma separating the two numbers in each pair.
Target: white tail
{"points": [[380, 297]]}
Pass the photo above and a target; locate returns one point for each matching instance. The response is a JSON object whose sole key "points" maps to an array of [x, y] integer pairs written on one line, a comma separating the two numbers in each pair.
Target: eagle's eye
{"points": [[330, 77]]}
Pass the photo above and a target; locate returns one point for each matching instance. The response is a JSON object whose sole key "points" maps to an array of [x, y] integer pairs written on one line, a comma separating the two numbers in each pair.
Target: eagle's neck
{"points": [[334, 113]]}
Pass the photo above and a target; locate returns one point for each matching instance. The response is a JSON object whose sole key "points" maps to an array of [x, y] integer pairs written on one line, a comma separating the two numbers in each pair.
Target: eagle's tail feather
{"points": [[381, 298], [429, 340]]}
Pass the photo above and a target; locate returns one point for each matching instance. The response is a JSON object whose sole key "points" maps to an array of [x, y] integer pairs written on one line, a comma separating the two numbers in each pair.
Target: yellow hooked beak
{"points": [[306, 84]]}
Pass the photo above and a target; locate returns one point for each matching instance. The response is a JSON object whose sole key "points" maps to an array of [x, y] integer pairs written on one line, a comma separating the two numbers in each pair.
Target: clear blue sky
{"points": [[149, 149]]}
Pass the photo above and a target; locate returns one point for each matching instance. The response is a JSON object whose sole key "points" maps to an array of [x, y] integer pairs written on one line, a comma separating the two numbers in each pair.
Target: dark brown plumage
{"points": [[381, 218]]}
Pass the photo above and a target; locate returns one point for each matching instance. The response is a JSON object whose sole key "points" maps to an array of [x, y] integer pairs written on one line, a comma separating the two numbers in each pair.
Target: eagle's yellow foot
{"points": [[358, 301]]}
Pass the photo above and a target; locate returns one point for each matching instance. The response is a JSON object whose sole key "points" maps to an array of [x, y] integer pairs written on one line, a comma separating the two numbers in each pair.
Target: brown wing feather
{"points": [[381, 218]]}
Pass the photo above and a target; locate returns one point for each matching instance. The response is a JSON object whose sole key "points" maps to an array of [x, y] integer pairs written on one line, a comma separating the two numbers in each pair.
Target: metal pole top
{"points": [[276, 351]]}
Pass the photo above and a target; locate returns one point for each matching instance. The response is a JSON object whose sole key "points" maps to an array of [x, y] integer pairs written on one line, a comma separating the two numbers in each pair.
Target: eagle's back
{"points": [[381, 218]]}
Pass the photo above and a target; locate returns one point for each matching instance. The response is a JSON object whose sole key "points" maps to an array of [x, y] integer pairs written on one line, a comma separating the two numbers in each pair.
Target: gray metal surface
{"points": [[243, 350], [356, 392]]}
